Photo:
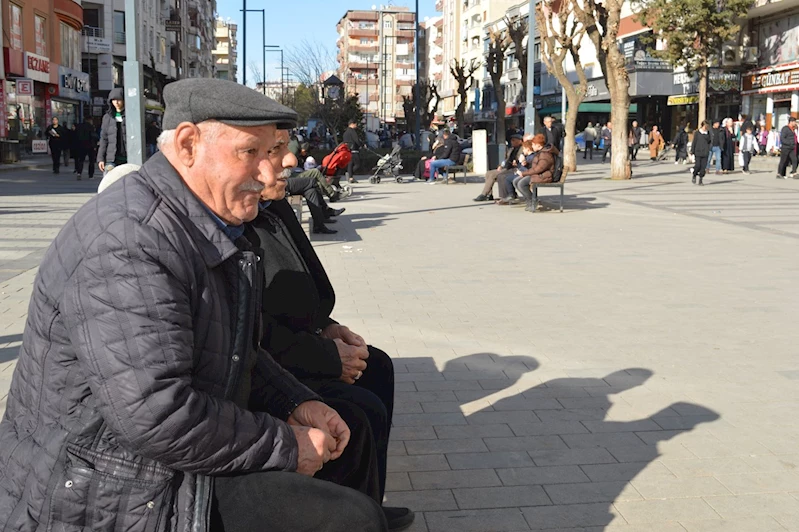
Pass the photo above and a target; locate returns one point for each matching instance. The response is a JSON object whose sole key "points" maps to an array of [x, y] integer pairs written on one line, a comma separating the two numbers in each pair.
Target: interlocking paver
{"points": [[501, 497]]}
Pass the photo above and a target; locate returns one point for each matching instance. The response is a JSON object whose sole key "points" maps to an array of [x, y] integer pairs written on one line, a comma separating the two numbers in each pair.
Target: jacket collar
{"points": [[215, 246]]}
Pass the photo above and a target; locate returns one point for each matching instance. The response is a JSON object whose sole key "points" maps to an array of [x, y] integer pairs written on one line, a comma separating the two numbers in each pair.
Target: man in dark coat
{"points": [[554, 132], [450, 156], [788, 149], [113, 133], [715, 146], [352, 140], [700, 148], [298, 331], [141, 399], [85, 146], [56, 136], [636, 131], [607, 136]]}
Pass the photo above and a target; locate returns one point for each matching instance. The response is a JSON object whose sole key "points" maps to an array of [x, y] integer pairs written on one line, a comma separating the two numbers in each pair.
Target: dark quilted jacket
{"points": [[134, 369]]}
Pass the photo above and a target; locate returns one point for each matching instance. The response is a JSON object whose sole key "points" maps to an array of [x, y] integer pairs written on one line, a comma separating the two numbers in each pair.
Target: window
{"points": [[15, 24], [387, 24], [119, 27], [70, 47], [39, 31], [161, 49]]}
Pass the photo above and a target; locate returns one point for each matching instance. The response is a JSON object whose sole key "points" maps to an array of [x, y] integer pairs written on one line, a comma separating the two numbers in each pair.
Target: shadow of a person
{"points": [[559, 459]]}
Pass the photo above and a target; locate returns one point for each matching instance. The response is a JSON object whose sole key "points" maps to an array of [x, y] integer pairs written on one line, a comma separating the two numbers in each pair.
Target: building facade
{"points": [[376, 58], [42, 75], [225, 46]]}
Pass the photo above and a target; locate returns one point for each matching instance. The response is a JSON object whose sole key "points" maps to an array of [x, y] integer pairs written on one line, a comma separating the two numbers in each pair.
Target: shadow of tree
{"points": [[512, 457]]}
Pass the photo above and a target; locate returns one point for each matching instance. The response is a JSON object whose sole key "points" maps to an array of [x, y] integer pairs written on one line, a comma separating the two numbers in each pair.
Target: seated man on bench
{"points": [[450, 156], [542, 168]]}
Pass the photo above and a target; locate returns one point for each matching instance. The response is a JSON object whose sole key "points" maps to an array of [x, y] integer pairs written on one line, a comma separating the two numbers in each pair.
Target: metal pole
{"points": [[418, 143], [282, 73], [134, 102], [244, 42], [529, 109], [367, 86], [263, 48]]}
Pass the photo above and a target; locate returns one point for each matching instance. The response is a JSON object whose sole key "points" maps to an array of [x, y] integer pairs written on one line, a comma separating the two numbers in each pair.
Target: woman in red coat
{"points": [[541, 169]]}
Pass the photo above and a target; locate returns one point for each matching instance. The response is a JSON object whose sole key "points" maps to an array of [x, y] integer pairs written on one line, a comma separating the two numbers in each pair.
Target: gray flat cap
{"points": [[198, 99]]}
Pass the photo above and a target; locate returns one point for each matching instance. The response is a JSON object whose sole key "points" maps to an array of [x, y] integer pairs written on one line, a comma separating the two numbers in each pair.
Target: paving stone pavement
{"points": [[627, 365]]}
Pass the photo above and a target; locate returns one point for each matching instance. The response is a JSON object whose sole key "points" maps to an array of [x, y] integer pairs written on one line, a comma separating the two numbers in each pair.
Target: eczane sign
{"points": [[37, 67]]}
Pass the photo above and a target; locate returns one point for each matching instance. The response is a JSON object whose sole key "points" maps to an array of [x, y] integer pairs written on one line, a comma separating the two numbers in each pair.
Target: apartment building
{"points": [[225, 46], [41, 68], [176, 41], [376, 58], [431, 51]]}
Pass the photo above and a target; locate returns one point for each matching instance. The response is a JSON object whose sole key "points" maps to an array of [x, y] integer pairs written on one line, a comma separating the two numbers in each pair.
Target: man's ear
{"points": [[187, 137]]}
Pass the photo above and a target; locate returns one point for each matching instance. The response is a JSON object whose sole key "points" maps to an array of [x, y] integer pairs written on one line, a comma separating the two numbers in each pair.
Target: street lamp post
{"points": [[263, 41], [418, 144], [529, 109], [276, 48], [283, 72], [244, 41], [134, 108]]}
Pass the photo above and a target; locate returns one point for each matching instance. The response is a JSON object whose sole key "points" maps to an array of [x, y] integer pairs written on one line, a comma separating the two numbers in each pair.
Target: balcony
{"points": [[439, 41], [91, 31], [119, 37], [407, 34], [373, 48], [358, 32], [439, 59], [440, 6]]}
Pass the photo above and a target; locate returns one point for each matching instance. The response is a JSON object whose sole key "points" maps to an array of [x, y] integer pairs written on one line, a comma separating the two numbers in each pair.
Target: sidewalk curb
{"points": [[25, 166]]}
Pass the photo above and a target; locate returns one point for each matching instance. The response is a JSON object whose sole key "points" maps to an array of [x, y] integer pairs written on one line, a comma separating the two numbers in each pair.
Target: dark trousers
{"points": [[589, 150], [55, 154], [747, 160], [605, 152], [80, 157], [785, 157], [307, 187], [374, 394], [700, 165], [633, 150], [354, 164], [342, 497]]}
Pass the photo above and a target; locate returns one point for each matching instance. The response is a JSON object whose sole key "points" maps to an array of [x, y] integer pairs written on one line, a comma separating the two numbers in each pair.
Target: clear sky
{"points": [[291, 21]]}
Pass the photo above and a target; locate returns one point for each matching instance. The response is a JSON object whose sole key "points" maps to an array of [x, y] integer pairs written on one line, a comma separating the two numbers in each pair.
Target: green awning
{"points": [[586, 108]]}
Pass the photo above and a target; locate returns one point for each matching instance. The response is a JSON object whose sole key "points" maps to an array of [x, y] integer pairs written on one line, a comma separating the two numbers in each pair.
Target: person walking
{"points": [[681, 145], [656, 143], [715, 146], [700, 149], [554, 132], [635, 132], [113, 139], [85, 146], [607, 138], [748, 146], [727, 144], [352, 140], [56, 136], [589, 135], [788, 149]]}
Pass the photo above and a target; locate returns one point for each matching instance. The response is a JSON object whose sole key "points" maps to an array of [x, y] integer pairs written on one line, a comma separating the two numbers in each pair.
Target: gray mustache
{"points": [[253, 186]]}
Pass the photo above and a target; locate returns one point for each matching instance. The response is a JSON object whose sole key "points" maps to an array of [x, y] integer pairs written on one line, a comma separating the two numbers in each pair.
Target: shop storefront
{"points": [[73, 91], [771, 93], [26, 92], [723, 97]]}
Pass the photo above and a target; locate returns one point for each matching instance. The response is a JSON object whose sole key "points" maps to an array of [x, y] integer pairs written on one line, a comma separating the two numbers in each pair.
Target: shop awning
{"points": [[586, 108]]}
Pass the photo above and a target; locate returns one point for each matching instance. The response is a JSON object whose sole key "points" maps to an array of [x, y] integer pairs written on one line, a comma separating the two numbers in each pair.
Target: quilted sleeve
{"points": [[128, 311]]}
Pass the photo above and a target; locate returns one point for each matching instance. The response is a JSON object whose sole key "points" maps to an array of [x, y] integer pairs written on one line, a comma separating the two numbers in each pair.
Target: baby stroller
{"points": [[388, 165], [334, 164]]}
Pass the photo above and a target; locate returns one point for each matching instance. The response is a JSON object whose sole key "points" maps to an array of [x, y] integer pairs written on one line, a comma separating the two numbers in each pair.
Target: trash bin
{"points": [[9, 151]]}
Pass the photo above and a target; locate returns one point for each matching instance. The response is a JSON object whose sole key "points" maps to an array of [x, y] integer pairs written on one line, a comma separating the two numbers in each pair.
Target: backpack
{"points": [[336, 161], [557, 171]]}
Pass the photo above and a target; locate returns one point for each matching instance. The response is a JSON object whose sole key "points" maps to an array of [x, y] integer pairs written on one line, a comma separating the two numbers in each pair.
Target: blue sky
{"points": [[291, 21]]}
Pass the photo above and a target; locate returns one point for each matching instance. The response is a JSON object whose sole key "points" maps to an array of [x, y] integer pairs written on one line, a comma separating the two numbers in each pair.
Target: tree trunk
{"points": [[460, 111], [500, 117], [570, 144], [619, 88], [702, 96]]}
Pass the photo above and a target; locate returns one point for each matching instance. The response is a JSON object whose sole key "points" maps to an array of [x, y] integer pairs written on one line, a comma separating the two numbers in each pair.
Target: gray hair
{"points": [[209, 129]]}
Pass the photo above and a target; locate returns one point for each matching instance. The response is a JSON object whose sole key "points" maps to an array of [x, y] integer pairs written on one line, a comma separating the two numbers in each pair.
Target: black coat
{"points": [[702, 143], [788, 138], [113, 141], [132, 383], [297, 304], [351, 138], [56, 136], [452, 150], [554, 135]]}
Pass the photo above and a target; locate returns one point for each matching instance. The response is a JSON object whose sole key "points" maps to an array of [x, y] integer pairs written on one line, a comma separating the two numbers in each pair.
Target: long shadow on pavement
{"points": [[546, 457]]}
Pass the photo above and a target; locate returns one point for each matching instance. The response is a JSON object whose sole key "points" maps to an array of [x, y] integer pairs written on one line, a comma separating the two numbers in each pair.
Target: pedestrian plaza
{"points": [[627, 365]]}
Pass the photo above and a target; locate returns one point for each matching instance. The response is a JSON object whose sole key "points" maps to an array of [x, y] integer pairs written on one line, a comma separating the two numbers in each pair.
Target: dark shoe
{"points": [[490, 197], [330, 220], [693, 179], [336, 212], [335, 196], [322, 230], [352, 180], [398, 518], [700, 183], [481, 197]]}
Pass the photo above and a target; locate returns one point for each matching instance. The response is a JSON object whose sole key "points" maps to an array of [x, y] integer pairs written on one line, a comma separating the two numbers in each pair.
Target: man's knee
{"points": [[379, 360], [359, 513]]}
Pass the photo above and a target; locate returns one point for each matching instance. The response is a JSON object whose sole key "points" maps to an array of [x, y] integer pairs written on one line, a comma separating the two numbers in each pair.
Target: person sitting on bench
{"points": [[508, 167], [541, 170], [451, 156]]}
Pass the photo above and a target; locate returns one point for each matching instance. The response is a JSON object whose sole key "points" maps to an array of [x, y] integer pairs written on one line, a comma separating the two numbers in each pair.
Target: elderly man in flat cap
{"points": [[141, 399]]}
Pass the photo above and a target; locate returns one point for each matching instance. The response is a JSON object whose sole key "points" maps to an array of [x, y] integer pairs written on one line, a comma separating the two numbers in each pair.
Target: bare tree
{"points": [[498, 43], [257, 75], [308, 61], [560, 35], [602, 22], [463, 73], [430, 99], [518, 30]]}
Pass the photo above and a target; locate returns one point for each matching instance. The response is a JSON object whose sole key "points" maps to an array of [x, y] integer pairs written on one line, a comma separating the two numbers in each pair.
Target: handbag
{"points": [[740, 158]]}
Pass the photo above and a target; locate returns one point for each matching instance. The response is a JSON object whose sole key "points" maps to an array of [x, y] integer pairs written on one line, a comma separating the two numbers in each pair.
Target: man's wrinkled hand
{"points": [[343, 333], [313, 449], [318, 415], [353, 360]]}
